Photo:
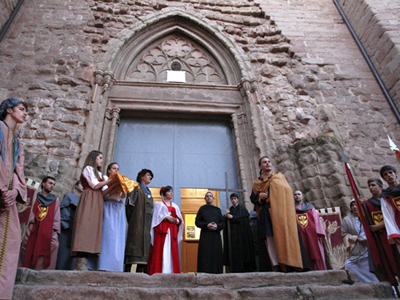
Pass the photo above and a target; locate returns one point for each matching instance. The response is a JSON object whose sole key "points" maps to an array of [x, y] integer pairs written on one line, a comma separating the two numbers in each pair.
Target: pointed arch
{"points": [[130, 42], [236, 97]]}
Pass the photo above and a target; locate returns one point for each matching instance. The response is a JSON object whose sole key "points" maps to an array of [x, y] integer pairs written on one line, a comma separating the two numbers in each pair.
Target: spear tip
{"points": [[344, 156]]}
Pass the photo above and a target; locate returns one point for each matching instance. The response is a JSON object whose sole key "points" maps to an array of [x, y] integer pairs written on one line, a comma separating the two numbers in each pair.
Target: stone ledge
{"points": [[358, 291], [30, 277]]}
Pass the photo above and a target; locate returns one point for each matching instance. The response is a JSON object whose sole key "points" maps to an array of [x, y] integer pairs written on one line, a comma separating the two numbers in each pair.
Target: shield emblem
{"points": [[396, 202], [302, 219], [377, 217], [42, 212]]}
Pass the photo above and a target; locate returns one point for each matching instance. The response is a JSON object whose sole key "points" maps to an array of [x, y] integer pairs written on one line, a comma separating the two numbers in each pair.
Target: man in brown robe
{"points": [[13, 190], [139, 213], [40, 246], [273, 199]]}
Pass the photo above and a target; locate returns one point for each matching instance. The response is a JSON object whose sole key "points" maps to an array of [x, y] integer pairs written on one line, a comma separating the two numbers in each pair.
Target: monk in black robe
{"points": [[241, 243], [209, 218]]}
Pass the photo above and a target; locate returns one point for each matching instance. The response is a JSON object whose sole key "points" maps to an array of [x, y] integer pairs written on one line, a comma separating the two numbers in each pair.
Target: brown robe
{"points": [[10, 231], [283, 216], [54, 240], [139, 216]]}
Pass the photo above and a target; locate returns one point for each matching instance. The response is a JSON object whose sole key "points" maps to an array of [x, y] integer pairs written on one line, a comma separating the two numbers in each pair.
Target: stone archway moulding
{"points": [[238, 98]]}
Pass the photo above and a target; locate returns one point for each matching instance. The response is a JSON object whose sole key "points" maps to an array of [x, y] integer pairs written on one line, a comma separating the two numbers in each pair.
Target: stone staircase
{"points": [[68, 285]]}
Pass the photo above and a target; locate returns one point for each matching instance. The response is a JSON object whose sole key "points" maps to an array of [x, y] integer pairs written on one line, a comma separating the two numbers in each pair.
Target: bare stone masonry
{"points": [[301, 89]]}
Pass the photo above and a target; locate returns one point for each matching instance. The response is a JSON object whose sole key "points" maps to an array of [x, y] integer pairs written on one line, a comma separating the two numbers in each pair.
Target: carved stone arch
{"points": [[236, 95], [179, 27], [152, 27], [176, 49]]}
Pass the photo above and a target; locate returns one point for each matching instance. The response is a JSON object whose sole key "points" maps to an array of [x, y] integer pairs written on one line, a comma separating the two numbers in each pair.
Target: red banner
{"points": [[24, 210], [372, 246]]}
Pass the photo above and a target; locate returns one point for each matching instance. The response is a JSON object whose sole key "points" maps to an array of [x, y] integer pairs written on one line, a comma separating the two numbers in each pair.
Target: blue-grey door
{"points": [[181, 153]]}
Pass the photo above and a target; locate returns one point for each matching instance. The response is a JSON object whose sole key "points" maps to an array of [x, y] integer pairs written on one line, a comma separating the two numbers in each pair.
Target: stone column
{"points": [[103, 82], [112, 115], [239, 120]]}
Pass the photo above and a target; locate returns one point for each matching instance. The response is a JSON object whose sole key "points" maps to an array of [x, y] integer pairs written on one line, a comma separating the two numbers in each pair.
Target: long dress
{"points": [[139, 211], [358, 252], [86, 234], [311, 233], [11, 176], [242, 244], [165, 239], [209, 257], [41, 239], [389, 257], [67, 213], [111, 257]]}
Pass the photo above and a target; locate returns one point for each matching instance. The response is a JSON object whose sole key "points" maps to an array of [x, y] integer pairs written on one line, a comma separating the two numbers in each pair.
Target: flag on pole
{"points": [[394, 148], [356, 193]]}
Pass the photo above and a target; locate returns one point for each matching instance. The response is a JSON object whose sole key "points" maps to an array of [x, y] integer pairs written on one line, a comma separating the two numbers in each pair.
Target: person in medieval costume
{"points": [[67, 213], [88, 223], [113, 234], [210, 220], [40, 246], [391, 205], [273, 200], [166, 234], [388, 254], [311, 230], [356, 244], [139, 211], [239, 241], [13, 190]]}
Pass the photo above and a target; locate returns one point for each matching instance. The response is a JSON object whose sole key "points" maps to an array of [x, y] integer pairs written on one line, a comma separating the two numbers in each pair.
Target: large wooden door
{"points": [[191, 201]]}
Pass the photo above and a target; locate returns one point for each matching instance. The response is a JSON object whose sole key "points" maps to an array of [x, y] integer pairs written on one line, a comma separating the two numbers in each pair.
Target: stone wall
{"points": [[46, 60], [377, 24], [6, 8], [343, 95], [317, 95]]}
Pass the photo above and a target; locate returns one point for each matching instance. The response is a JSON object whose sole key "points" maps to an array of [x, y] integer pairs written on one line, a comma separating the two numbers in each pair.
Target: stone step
{"points": [[65, 285]]}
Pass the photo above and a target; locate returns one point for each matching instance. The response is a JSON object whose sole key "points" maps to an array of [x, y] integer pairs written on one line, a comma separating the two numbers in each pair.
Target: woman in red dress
{"points": [[166, 234]]}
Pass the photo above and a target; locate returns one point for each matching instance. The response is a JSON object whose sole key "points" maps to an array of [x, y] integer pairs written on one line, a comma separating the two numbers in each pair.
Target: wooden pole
{"points": [[229, 225]]}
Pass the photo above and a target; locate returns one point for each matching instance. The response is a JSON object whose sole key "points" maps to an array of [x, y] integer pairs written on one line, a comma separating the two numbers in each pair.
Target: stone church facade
{"points": [[288, 75]]}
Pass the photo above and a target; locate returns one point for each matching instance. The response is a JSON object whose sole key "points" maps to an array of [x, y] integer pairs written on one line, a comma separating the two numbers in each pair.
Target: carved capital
{"points": [[104, 78], [99, 77], [112, 113], [241, 119], [248, 85], [249, 88]]}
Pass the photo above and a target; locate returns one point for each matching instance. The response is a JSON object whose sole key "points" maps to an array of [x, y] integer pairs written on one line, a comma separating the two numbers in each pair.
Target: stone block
{"points": [[312, 183], [53, 165], [57, 125], [310, 171], [50, 117], [69, 118], [71, 104], [67, 80], [40, 161], [51, 143], [38, 123], [335, 192], [62, 152]]}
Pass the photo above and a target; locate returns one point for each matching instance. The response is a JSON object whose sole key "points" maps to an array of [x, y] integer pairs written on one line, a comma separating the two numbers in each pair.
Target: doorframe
{"points": [[240, 99], [224, 101]]}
